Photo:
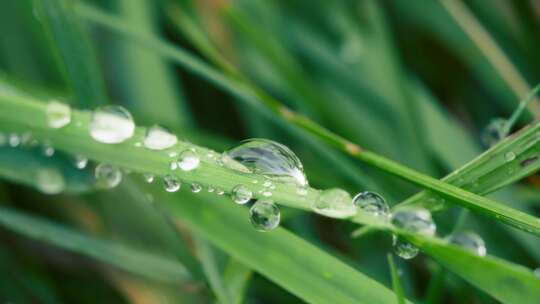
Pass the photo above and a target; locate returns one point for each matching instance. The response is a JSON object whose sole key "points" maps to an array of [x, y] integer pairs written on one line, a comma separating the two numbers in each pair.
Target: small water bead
{"points": [[149, 177], [80, 161], [159, 138], [335, 203], [196, 188], [211, 189], [188, 160], [173, 165], [414, 219], [403, 249], [108, 176], [172, 154], [536, 272], [47, 150], [241, 194], [14, 140], [372, 204], [220, 191], [50, 181], [470, 241], [111, 125], [509, 156], [266, 157], [264, 215], [171, 183], [58, 114], [494, 132]]}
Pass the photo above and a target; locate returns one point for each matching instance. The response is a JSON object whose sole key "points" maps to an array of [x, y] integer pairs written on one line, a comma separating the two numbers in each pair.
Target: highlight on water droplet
{"points": [[47, 150], [403, 249], [58, 114], [171, 183], [509, 156], [494, 132], [111, 124], [14, 140], [196, 188], [372, 204], [210, 189], [188, 160], [241, 194], [80, 161], [50, 181], [220, 191], [470, 241], [149, 177], [261, 156], [336, 203], [107, 176], [159, 138], [264, 215]]}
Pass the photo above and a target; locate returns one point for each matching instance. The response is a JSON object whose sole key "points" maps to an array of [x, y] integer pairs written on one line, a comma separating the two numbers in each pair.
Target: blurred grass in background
{"points": [[401, 78]]}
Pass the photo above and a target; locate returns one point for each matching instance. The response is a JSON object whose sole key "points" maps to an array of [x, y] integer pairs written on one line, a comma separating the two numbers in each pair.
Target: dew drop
{"points": [[372, 204], [241, 194], [494, 132], [335, 203], [211, 189], [159, 138], [536, 272], [14, 140], [264, 215], [50, 181], [107, 176], [196, 188], [173, 165], [47, 150], [171, 183], [220, 191], [509, 156], [414, 219], [58, 114], [470, 241], [111, 124], [80, 161], [188, 160], [403, 249], [149, 177], [266, 157]]}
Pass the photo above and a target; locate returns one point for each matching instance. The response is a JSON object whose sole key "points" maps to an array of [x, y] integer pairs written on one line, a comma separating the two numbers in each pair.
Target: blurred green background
{"points": [[402, 78]]}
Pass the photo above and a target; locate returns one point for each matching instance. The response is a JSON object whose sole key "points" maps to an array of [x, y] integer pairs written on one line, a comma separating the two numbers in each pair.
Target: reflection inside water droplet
{"points": [[107, 176], [264, 215], [470, 241]]}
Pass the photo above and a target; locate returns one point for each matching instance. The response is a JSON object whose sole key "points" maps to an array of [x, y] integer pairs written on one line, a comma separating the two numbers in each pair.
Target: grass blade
{"points": [[396, 284], [236, 278], [212, 271]]}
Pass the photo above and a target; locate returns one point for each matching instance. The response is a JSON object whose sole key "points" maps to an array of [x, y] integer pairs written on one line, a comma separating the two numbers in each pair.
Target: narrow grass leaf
{"points": [[396, 284]]}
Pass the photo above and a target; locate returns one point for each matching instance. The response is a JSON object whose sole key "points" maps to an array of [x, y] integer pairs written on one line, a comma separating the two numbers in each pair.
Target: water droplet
{"points": [[80, 161], [14, 140], [372, 204], [107, 176], [414, 219], [536, 272], [196, 188], [171, 183], [111, 125], [50, 181], [173, 165], [470, 241], [335, 203], [149, 177], [188, 160], [241, 194], [172, 154], [211, 189], [403, 249], [159, 138], [47, 150], [268, 158], [494, 132], [220, 191], [264, 215], [58, 114], [526, 162], [509, 156]]}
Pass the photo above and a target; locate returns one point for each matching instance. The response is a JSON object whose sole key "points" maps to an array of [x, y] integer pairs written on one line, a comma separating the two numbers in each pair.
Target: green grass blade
{"points": [[237, 277], [125, 258], [396, 284], [212, 271], [78, 56]]}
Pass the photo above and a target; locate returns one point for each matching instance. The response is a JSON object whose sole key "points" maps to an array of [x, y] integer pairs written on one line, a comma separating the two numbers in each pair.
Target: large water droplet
{"points": [[470, 241], [188, 160], [158, 138], [80, 161], [335, 203], [268, 158], [494, 132], [414, 219], [58, 114], [241, 194], [108, 176], [372, 203], [111, 125], [403, 249], [171, 183], [264, 215], [50, 181]]}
